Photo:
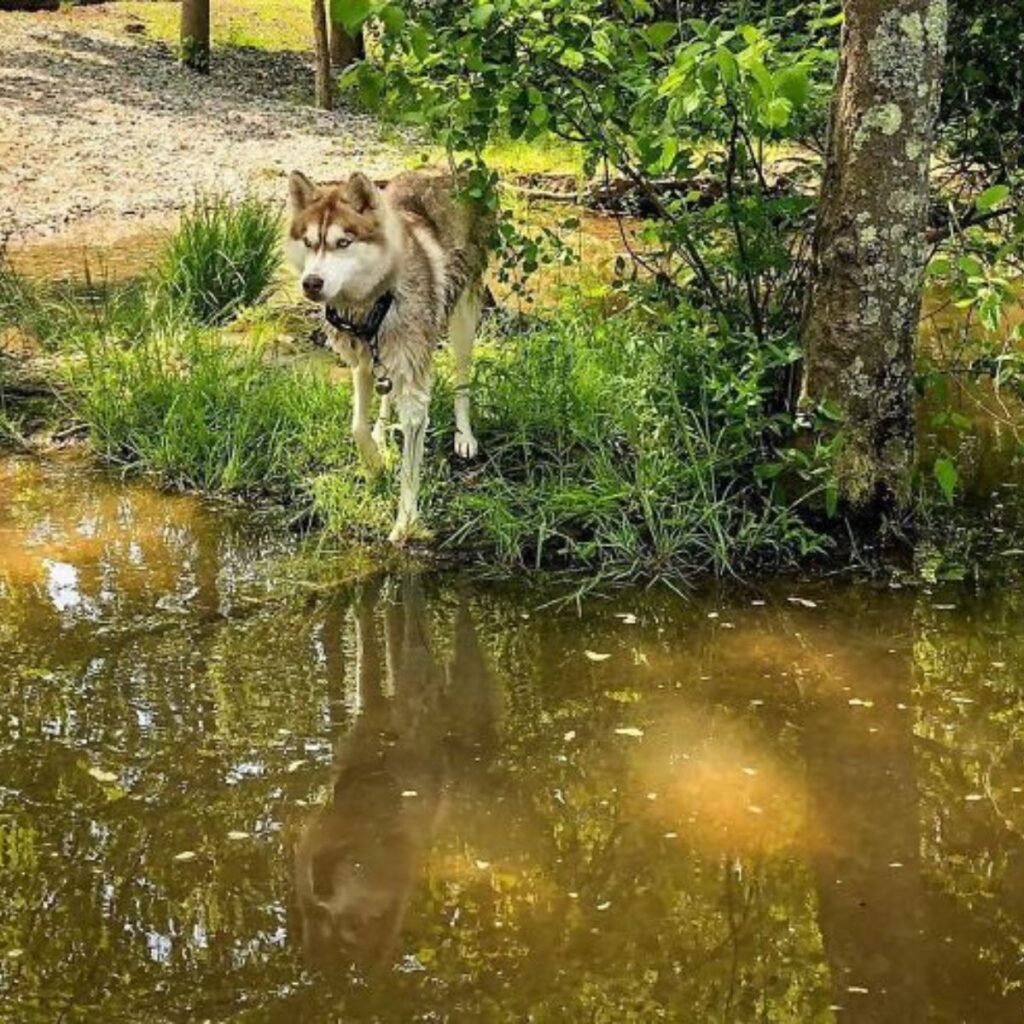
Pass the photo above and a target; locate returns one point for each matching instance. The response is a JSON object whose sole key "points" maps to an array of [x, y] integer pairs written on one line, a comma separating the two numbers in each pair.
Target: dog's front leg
{"points": [[362, 391], [380, 428], [412, 418]]}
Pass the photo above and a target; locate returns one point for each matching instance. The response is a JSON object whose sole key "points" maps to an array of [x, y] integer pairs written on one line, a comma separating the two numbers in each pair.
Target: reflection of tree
{"points": [[858, 745]]}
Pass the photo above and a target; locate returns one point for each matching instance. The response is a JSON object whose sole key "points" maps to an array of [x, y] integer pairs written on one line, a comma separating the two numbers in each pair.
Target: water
{"points": [[226, 798]]}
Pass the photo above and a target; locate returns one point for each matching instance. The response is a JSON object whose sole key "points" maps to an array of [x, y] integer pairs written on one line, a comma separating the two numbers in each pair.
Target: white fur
{"points": [[462, 330], [413, 416]]}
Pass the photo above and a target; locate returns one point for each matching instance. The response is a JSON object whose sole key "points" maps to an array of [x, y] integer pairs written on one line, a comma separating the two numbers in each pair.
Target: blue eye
{"points": [[343, 243]]}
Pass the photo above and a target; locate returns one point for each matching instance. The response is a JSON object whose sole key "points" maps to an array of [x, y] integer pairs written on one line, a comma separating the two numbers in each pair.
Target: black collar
{"points": [[365, 330]]}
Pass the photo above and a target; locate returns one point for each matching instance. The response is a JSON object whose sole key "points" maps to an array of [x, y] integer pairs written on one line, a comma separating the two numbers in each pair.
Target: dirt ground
{"points": [[102, 131]]}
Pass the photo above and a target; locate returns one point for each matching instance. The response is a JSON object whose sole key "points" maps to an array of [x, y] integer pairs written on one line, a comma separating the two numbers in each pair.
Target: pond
{"points": [[227, 797]]}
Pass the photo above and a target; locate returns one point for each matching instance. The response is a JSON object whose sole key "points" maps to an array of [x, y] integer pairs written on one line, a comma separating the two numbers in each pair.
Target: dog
{"points": [[395, 268]]}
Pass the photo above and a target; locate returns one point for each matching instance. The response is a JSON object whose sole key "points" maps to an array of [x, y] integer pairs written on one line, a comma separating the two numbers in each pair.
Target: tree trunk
{"points": [[195, 35], [324, 84], [345, 48], [862, 315]]}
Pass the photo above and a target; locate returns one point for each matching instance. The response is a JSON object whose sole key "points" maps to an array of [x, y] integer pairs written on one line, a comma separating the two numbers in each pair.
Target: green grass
{"points": [[610, 447], [224, 257], [266, 24], [628, 445]]}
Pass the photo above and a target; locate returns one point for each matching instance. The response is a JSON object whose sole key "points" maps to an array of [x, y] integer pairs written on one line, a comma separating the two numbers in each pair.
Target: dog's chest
{"points": [[404, 353]]}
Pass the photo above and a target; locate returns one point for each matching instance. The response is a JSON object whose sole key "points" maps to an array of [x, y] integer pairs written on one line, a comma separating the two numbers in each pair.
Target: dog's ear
{"points": [[300, 190], [362, 193]]}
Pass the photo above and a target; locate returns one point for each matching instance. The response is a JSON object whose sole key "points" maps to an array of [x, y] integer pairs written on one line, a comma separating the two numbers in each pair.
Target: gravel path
{"points": [[98, 128]]}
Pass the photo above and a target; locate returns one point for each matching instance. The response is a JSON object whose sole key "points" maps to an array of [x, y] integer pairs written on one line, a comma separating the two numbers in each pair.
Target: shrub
{"points": [[223, 258], [204, 414]]}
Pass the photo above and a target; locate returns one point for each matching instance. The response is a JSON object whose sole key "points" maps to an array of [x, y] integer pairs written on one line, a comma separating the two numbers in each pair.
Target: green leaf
{"points": [[393, 18], [420, 40], [776, 113], [728, 66], [831, 498], [992, 197], [481, 15], [947, 476], [660, 33], [540, 115], [970, 266], [350, 14], [793, 84], [572, 59]]}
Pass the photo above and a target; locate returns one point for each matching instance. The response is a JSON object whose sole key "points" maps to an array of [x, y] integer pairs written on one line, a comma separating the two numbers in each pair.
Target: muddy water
{"points": [[420, 799]]}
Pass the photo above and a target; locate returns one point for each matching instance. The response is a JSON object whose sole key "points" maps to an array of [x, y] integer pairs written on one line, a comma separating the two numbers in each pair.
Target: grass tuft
{"points": [[224, 257]]}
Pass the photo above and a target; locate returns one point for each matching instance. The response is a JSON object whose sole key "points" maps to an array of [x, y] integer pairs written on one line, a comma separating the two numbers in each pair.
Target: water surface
{"points": [[417, 799]]}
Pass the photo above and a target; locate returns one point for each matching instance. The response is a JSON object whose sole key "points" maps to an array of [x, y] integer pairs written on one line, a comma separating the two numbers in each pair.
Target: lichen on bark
{"points": [[862, 314]]}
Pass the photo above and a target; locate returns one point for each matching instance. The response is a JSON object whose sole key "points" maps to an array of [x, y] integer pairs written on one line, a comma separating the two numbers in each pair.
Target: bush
{"points": [[224, 257], [203, 414], [626, 447]]}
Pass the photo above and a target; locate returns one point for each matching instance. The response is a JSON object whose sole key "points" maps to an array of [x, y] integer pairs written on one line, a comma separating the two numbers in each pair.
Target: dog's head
{"points": [[341, 240]]}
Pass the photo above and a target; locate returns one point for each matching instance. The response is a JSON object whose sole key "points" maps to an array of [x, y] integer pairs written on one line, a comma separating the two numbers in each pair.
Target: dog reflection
{"points": [[359, 859]]}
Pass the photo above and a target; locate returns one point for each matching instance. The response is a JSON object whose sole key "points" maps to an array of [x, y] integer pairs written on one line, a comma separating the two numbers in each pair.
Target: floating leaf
{"points": [[629, 730], [594, 656], [235, 836], [185, 855], [100, 775]]}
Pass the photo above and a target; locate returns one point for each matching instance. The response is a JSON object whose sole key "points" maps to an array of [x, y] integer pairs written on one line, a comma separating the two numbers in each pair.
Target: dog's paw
{"points": [[466, 445]]}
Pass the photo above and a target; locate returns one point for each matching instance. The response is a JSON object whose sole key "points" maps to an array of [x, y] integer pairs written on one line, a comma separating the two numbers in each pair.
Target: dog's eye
{"points": [[308, 244], [343, 243]]}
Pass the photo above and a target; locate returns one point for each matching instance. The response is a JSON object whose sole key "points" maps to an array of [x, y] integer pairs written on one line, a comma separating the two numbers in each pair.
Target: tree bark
{"points": [[195, 35], [862, 315], [323, 81], [345, 48]]}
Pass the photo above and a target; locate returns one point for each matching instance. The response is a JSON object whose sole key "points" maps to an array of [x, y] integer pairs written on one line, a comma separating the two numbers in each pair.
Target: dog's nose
{"points": [[313, 286]]}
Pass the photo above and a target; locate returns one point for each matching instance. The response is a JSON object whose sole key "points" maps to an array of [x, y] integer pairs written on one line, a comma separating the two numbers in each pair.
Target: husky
{"points": [[395, 269]]}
